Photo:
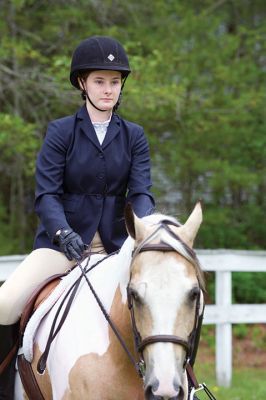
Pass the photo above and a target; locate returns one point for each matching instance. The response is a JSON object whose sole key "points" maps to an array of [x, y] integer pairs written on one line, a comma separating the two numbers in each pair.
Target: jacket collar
{"points": [[88, 129]]}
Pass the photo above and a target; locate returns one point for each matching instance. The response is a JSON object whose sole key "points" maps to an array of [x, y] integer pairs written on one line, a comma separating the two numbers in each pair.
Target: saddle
{"points": [[42, 292]]}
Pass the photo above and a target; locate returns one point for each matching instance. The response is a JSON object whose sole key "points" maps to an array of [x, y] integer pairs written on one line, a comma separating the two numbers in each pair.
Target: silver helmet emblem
{"points": [[111, 57]]}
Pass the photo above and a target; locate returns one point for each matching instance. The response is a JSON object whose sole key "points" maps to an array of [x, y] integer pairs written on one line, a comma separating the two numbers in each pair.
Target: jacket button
{"points": [[101, 176], [101, 155]]}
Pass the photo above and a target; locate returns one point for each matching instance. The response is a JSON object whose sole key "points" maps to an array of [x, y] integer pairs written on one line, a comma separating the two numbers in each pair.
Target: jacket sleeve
{"points": [[139, 183], [49, 179]]}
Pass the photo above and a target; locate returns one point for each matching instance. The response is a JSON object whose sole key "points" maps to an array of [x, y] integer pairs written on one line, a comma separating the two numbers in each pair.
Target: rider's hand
{"points": [[70, 243]]}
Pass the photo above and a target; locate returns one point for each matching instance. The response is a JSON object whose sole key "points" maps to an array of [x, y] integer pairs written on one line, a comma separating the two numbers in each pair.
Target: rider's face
{"points": [[103, 88]]}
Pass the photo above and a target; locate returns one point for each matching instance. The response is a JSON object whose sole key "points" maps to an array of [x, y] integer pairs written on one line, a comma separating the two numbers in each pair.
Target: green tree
{"points": [[197, 87]]}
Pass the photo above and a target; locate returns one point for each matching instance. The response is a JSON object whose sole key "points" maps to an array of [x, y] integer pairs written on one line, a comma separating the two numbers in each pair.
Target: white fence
{"points": [[223, 313]]}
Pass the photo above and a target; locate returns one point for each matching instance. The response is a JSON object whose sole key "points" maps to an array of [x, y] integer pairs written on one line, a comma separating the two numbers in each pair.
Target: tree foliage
{"points": [[197, 87]]}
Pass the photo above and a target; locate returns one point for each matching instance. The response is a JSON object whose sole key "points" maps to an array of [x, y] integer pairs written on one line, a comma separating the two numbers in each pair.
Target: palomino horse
{"points": [[157, 274]]}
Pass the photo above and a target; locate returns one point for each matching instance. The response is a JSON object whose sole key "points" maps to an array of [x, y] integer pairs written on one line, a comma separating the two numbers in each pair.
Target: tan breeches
{"points": [[39, 265]]}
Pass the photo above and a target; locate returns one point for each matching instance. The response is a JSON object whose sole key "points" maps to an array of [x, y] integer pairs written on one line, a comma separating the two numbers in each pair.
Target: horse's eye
{"points": [[193, 294]]}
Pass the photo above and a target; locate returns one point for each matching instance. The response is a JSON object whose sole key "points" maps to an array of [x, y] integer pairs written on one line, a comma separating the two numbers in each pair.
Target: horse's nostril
{"points": [[149, 392], [179, 390], [180, 394]]}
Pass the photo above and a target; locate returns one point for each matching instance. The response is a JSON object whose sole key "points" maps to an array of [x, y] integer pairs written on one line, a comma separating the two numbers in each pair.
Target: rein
{"points": [[137, 365], [68, 299], [41, 366]]}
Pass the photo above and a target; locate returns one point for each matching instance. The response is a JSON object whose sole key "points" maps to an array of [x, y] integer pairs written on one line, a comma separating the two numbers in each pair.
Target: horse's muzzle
{"points": [[152, 388]]}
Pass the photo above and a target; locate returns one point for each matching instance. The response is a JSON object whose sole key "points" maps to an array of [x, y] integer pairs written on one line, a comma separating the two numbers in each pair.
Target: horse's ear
{"points": [[135, 227], [129, 219], [191, 227]]}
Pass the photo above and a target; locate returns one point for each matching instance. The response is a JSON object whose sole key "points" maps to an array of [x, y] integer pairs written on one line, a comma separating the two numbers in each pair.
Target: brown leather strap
{"points": [[162, 338], [192, 376], [57, 325], [28, 379], [28, 310], [45, 292], [156, 247]]}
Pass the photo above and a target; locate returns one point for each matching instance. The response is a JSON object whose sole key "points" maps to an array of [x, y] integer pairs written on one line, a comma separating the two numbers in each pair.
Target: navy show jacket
{"points": [[83, 185]]}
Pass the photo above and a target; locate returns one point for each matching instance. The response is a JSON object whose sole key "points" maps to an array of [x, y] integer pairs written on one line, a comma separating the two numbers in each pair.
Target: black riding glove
{"points": [[70, 243]]}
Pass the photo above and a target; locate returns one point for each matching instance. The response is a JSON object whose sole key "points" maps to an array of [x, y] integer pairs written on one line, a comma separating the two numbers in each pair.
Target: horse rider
{"points": [[90, 165]]}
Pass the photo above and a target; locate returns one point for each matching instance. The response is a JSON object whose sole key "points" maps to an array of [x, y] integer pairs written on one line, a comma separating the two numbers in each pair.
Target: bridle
{"points": [[141, 343]]}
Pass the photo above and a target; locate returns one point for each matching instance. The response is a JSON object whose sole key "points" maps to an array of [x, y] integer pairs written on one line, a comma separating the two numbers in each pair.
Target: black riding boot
{"points": [[8, 337]]}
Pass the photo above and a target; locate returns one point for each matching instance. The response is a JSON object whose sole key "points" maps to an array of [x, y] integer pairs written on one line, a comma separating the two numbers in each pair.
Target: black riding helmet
{"points": [[98, 53]]}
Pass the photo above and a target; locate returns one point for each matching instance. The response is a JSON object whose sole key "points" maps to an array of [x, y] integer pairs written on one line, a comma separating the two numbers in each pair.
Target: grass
{"points": [[247, 384], [249, 355]]}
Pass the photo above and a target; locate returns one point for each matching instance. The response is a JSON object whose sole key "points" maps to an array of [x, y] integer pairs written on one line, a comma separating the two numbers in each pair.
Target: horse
{"points": [[129, 331]]}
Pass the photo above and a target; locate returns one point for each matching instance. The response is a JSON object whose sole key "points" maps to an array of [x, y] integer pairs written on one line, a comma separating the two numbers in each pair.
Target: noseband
{"points": [[140, 343]]}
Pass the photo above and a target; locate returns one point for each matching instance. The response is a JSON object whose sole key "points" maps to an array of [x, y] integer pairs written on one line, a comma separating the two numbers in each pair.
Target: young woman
{"points": [[91, 163]]}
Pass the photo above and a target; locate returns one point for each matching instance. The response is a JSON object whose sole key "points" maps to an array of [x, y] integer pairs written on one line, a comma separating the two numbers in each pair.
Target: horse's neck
{"points": [[112, 272], [120, 317], [121, 265], [110, 282], [86, 335], [119, 269]]}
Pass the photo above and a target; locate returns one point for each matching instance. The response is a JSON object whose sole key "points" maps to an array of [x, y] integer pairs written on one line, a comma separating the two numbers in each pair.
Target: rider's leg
{"points": [[39, 265]]}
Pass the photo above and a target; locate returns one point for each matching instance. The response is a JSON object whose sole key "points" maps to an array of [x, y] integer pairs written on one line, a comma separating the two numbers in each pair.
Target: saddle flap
{"points": [[37, 297]]}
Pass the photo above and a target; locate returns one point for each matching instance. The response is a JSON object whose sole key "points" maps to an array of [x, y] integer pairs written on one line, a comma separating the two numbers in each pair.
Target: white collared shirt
{"points": [[101, 129]]}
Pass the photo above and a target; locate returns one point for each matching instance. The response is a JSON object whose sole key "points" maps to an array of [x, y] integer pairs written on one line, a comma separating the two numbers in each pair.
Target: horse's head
{"points": [[166, 298]]}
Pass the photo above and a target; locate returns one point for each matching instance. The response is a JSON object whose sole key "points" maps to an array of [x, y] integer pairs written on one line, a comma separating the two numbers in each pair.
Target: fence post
{"points": [[223, 296]]}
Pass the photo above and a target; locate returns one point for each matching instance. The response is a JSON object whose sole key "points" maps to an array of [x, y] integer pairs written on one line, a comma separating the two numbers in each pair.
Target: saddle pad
{"points": [[42, 310]]}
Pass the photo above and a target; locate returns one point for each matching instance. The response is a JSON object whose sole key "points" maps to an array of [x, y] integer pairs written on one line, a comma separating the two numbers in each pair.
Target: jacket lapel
{"points": [[112, 131], [87, 127]]}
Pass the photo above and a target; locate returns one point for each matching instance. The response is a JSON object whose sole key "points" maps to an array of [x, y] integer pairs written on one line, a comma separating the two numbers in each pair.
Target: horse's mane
{"points": [[156, 218], [176, 243]]}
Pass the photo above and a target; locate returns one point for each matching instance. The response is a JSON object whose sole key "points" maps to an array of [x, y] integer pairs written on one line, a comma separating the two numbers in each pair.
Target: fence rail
{"points": [[223, 313]]}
